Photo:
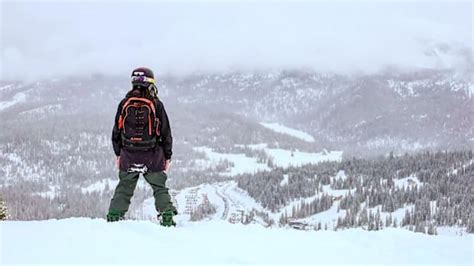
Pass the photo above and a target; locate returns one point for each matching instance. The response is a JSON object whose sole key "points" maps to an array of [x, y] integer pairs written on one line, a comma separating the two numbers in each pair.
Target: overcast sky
{"points": [[41, 39]]}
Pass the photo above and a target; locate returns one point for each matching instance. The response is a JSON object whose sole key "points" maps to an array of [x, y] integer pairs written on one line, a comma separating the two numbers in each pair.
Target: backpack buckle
{"points": [[138, 168]]}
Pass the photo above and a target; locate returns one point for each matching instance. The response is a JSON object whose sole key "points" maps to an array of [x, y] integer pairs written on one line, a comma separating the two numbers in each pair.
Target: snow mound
{"points": [[93, 241]]}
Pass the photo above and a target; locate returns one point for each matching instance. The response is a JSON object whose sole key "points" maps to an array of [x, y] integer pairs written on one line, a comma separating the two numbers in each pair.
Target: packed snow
{"points": [[94, 241], [289, 131]]}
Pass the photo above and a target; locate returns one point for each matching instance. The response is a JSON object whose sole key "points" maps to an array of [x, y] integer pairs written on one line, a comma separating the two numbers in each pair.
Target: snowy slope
{"points": [[241, 164], [233, 204], [230, 202], [289, 131], [286, 158], [17, 98], [86, 241]]}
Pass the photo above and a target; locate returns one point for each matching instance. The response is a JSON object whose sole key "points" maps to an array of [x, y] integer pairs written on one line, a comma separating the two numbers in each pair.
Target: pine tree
{"points": [[203, 210], [283, 220], [432, 229], [407, 218], [371, 222], [340, 223], [470, 225], [3, 210], [388, 220], [420, 227], [378, 221], [395, 222], [363, 217]]}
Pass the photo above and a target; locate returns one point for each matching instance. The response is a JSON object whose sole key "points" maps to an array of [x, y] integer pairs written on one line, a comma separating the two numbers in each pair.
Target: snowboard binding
{"points": [[166, 218], [115, 216]]}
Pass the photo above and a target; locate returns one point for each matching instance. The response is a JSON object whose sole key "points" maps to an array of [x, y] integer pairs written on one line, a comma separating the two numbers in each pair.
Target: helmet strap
{"points": [[153, 90]]}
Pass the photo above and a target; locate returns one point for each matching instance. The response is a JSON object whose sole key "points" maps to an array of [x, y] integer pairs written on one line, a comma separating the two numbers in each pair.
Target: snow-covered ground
{"points": [[240, 163], [289, 131], [104, 184], [18, 167], [231, 202], [406, 182], [44, 110], [287, 158], [397, 143], [87, 241], [17, 98]]}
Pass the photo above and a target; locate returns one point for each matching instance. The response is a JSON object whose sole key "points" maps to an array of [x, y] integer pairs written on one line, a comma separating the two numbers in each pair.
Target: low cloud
{"points": [[48, 39]]}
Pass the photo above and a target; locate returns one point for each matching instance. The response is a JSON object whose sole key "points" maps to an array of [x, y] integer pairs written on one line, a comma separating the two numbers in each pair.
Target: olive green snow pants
{"points": [[128, 181]]}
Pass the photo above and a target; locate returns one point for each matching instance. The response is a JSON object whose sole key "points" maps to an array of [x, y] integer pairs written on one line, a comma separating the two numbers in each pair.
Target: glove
{"points": [[167, 165], [117, 162]]}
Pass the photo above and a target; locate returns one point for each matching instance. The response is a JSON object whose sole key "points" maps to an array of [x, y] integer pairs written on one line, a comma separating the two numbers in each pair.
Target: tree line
{"points": [[437, 186]]}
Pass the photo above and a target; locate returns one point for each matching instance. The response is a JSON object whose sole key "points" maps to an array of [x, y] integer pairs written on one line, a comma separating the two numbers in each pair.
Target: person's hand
{"points": [[167, 165], [117, 162]]}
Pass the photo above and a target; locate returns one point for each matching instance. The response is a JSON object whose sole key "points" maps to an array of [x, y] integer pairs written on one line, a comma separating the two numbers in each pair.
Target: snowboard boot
{"points": [[115, 216], [166, 218]]}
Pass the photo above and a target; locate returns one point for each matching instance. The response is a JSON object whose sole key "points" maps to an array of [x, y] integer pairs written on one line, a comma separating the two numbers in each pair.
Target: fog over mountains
{"points": [[43, 39]]}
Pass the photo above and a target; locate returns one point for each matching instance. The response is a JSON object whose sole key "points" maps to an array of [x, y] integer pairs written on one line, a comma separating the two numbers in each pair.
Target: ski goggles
{"points": [[142, 79]]}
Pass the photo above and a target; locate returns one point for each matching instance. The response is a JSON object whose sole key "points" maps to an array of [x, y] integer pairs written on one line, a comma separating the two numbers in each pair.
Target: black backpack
{"points": [[139, 123]]}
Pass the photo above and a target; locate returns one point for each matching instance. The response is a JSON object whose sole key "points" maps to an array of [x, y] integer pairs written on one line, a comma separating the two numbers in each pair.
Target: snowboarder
{"points": [[142, 142]]}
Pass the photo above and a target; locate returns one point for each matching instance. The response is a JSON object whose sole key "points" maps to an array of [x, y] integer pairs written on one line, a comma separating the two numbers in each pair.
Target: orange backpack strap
{"points": [[157, 119], [149, 102], [120, 122]]}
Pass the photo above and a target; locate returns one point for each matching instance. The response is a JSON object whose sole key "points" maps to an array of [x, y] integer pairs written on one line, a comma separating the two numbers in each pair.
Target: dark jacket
{"points": [[154, 159]]}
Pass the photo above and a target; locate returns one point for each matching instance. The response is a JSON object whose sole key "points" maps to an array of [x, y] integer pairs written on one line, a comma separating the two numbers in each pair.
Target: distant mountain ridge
{"points": [[431, 109], [379, 112], [55, 137]]}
